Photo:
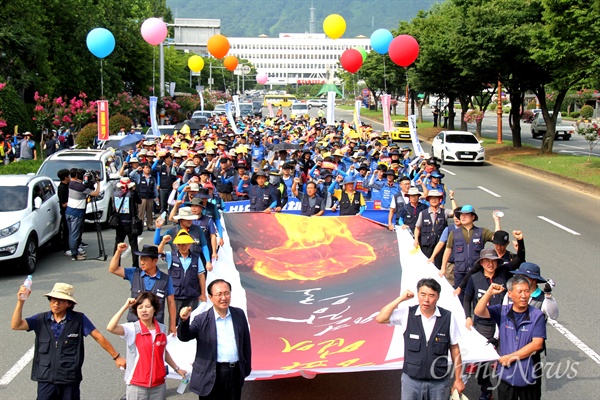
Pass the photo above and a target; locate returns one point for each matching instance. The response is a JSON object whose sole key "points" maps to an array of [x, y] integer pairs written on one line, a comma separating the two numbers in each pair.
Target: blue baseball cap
{"points": [[467, 209]]}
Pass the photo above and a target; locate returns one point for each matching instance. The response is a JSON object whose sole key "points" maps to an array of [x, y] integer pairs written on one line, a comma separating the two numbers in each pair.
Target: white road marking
{"points": [[449, 172], [14, 371], [489, 191], [548, 220], [575, 340], [573, 147]]}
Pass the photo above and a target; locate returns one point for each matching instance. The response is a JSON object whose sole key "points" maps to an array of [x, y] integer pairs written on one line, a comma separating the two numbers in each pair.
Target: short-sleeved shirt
{"points": [[77, 198], [148, 280], [486, 236], [337, 193], [186, 262], [58, 327], [400, 317], [447, 214]]}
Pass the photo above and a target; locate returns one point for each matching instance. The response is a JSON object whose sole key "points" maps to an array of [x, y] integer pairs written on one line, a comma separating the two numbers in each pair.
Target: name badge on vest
{"points": [[413, 336], [160, 293], [265, 197], [317, 206]]}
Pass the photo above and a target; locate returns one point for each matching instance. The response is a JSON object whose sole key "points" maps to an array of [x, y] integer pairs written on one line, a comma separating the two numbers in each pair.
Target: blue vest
{"points": [[427, 360], [260, 197], [146, 187], [466, 254], [407, 212], [159, 289], [186, 283], [58, 361], [432, 230]]}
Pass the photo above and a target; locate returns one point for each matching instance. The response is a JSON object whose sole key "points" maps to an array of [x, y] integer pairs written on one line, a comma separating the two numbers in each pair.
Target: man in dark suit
{"points": [[223, 353]]}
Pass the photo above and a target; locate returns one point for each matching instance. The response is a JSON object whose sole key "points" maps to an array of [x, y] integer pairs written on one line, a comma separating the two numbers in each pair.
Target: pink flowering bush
{"points": [[473, 116]]}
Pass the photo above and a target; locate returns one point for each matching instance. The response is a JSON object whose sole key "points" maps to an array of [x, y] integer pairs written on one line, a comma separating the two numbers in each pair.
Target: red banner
{"points": [[103, 132], [310, 286]]}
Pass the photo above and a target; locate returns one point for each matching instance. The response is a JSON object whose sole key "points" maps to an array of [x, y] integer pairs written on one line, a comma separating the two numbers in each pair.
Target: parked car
{"points": [[246, 109], [103, 162], [538, 126], [29, 218], [458, 146], [321, 103], [219, 109], [203, 114], [401, 131]]}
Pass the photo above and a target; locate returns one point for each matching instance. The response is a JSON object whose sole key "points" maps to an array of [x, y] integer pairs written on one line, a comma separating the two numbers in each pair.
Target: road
{"points": [[577, 145], [570, 257]]}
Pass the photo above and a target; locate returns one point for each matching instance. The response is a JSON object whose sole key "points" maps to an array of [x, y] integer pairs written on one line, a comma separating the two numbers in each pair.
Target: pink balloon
{"points": [[404, 50], [154, 31], [262, 78]]}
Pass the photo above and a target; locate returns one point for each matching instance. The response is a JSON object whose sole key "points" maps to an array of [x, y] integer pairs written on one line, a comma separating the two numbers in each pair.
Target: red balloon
{"points": [[351, 60], [404, 50]]}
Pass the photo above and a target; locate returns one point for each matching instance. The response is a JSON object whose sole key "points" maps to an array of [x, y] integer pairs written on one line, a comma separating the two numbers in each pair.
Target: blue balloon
{"points": [[380, 40], [100, 42]]}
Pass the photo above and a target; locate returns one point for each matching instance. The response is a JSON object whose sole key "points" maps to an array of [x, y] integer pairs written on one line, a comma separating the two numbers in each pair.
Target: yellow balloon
{"points": [[334, 26], [196, 63]]}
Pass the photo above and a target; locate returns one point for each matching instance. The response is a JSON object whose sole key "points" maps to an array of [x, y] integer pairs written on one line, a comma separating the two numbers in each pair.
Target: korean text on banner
{"points": [[412, 124], [387, 117], [330, 108], [153, 121], [103, 132]]}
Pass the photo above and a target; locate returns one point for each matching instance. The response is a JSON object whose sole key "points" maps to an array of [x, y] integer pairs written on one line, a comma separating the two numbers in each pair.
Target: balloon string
{"points": [[101, 80], [384, 78], [154, 71]]}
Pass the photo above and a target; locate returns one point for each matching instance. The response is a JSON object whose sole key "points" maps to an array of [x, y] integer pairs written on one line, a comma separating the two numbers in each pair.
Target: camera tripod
{"points": [[102, 256]]}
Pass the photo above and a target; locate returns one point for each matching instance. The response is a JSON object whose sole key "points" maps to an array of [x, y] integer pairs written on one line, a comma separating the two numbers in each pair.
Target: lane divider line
{"points": [[564, 228], [575, 340], [14, 371], [489, 191], [448, 172]]}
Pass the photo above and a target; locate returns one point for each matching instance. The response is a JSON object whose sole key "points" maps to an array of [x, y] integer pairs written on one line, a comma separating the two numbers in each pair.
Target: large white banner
{"points": [[236, 103], [153, 121], [230, 117]]}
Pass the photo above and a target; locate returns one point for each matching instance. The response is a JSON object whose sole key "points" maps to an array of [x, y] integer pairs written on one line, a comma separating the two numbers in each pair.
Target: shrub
{"points": [[13, 111], [574, 114], [531, 105], [492, 106], [175, 114], [527, 116], [457, 107], [505, 110], [587, 111], [117, 121], [85, 137], [22, 167]]}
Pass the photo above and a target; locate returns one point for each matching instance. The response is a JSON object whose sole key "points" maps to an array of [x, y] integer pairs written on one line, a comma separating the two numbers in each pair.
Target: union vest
{"points": [[225, 187], [260, 197], [347, 207], [186, 283], [307, 210], [146, 187], [168, 176], [58, 361], [432, 230], [466, 254], [427, 360], [159, 289], [410, 214]]}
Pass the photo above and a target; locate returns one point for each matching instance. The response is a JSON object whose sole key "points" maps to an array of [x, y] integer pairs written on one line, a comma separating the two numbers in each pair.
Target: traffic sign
{"points": [[241, 70]]}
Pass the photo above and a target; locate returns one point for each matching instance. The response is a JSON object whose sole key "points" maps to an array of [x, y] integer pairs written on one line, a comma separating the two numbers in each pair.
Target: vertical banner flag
{"points": [[357, 121], [172, 89], [153, 121], [385, 108], [201, 101], [331, 108], [103, 132], [270, 106], [230, 117], [236, 103], [412, 124]]}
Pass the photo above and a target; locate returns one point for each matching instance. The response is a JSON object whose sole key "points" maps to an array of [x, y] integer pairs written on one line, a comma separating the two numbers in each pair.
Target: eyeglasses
{"points": [[224, 294]]}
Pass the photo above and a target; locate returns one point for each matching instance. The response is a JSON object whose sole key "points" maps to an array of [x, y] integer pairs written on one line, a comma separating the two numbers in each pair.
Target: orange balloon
{"points": [[230, 62], [218, 46]]}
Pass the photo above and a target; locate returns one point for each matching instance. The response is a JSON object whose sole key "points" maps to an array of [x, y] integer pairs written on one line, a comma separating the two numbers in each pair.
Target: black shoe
{"points": [[151, 229], [82, 244]]}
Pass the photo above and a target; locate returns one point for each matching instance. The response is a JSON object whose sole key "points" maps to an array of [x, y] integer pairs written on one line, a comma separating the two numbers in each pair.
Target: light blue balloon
{"points": [[380, 40], [100, 42]]}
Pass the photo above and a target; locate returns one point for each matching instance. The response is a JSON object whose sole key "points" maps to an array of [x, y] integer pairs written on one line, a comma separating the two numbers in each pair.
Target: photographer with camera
{"points": [[127, 199], [83, 185]]}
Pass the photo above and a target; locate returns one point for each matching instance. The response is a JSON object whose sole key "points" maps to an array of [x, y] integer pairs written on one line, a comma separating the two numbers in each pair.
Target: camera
{"points": [[90, 178]]}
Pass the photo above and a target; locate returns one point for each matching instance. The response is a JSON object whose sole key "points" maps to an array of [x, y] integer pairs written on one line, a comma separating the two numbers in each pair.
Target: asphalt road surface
{"points": [[562, 231]]}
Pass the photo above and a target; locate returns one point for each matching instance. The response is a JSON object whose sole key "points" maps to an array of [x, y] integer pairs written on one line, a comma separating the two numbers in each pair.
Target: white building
{"points": [[294, 58]]}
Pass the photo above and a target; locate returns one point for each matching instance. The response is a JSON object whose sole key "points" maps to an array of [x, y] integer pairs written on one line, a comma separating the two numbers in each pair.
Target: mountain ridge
{"points": [[251, 18]]}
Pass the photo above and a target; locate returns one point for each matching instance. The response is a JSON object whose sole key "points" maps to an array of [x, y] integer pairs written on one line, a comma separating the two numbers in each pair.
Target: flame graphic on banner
{"points": [[312, 250]]}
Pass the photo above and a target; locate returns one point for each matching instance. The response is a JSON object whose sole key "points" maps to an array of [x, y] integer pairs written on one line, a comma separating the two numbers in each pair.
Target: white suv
{"points": [[29, 218], [105, 162]]}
